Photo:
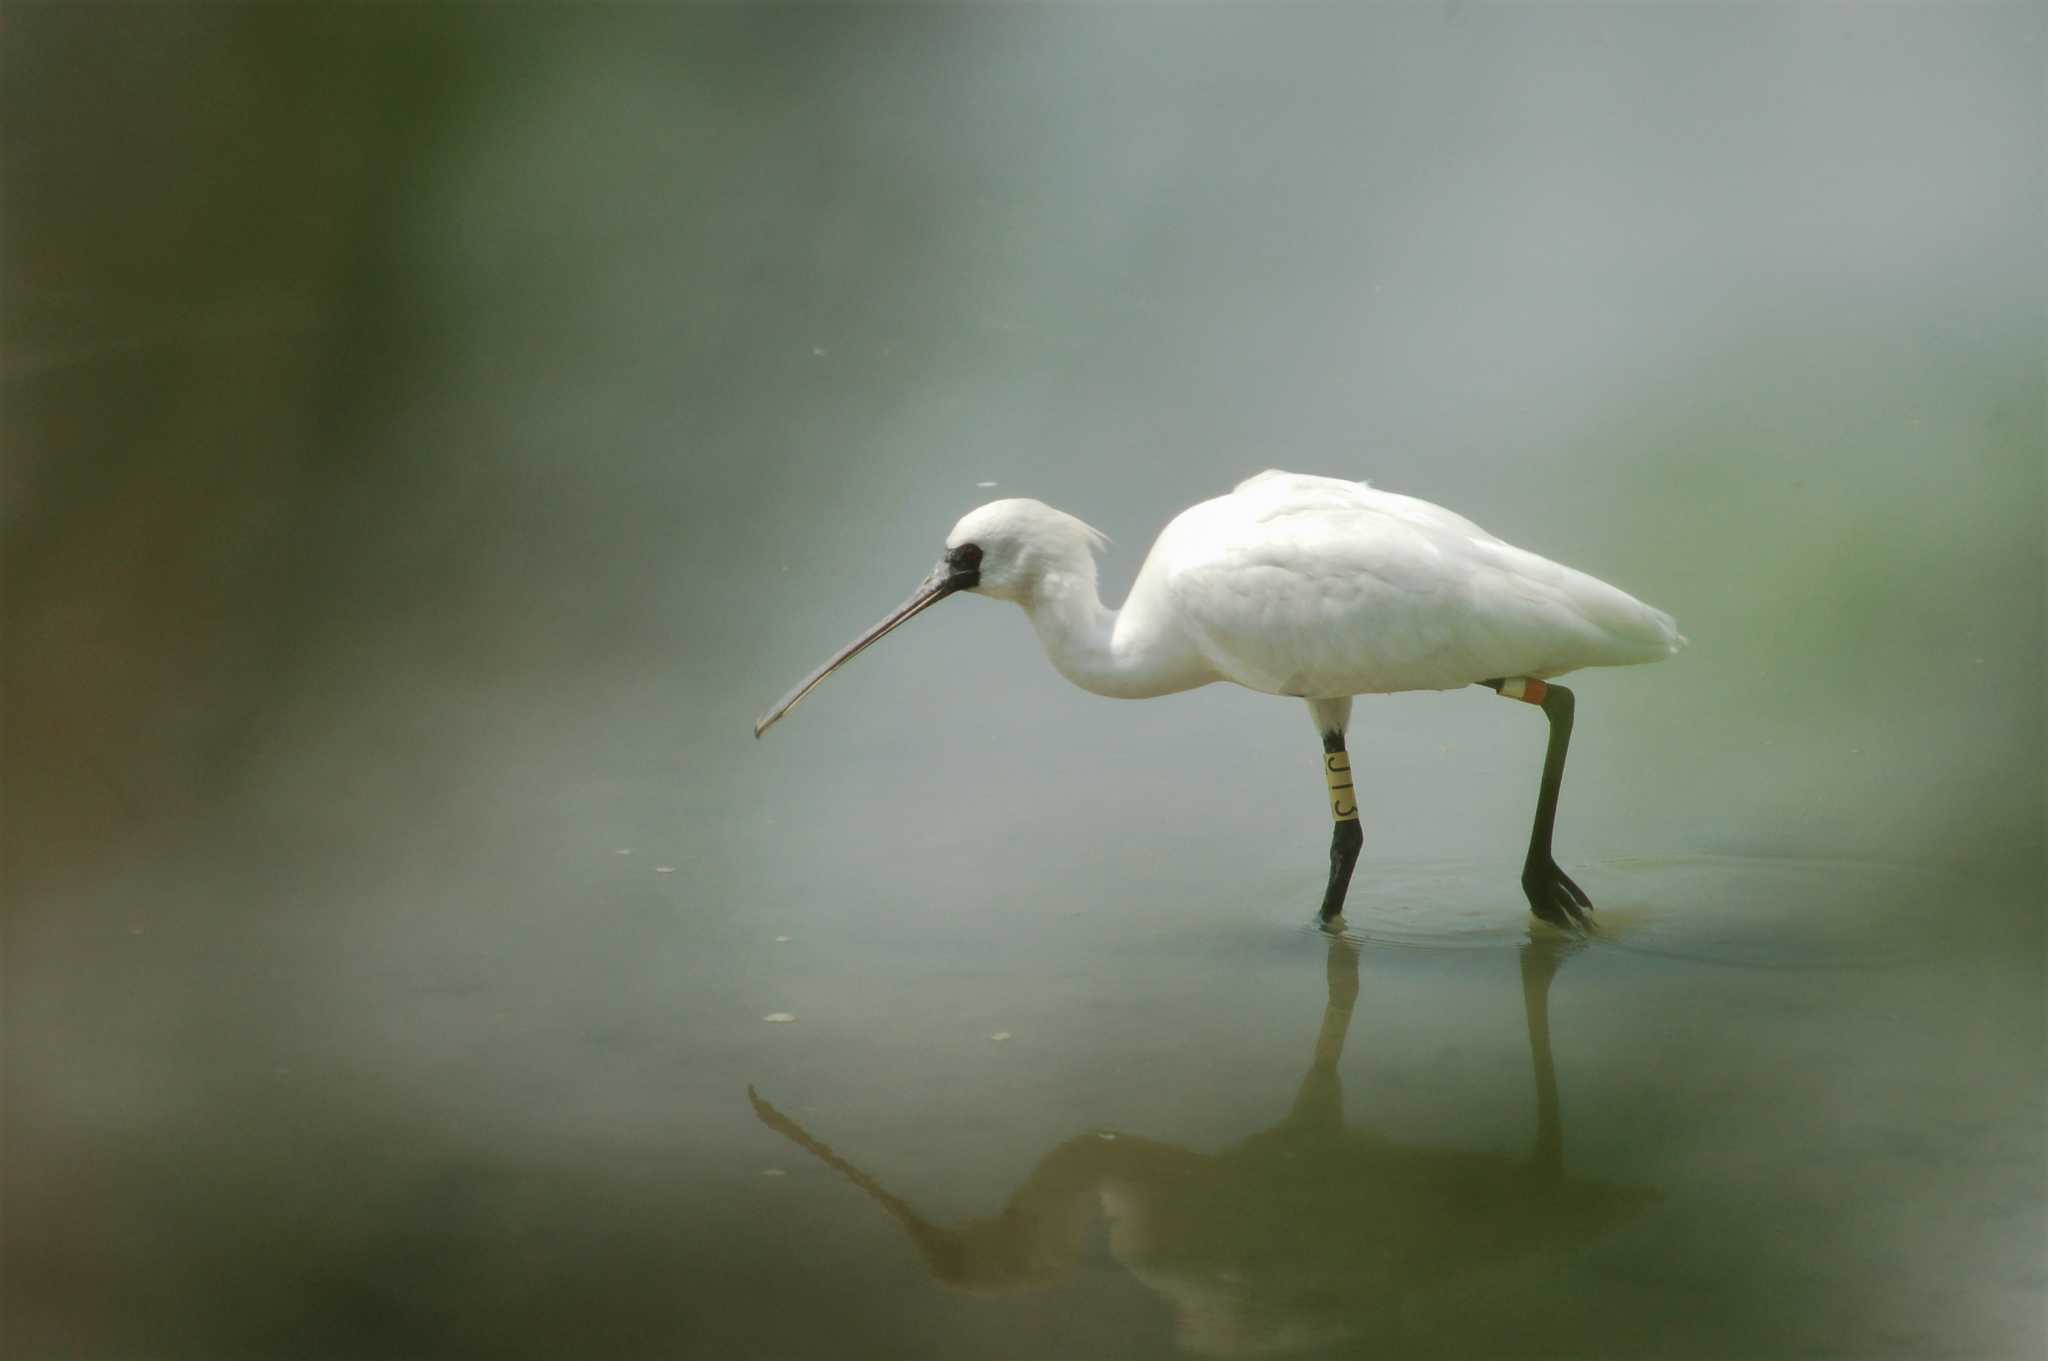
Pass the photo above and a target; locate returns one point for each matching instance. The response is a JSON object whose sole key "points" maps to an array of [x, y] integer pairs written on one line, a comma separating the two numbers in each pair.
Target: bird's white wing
{"points": [[1276, 494], [1311, 586]]}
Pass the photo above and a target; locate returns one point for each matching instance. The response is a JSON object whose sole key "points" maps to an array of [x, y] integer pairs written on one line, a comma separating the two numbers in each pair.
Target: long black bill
{"points": [[941, 583]]}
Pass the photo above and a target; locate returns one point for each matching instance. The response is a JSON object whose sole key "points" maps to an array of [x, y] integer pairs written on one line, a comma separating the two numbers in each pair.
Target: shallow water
{"points": [[1797, 1110], [1807, 1137], [436, 434]]}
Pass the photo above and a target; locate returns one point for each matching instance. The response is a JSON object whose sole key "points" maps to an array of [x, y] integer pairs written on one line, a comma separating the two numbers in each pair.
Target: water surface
{"points": [[434, 434]]}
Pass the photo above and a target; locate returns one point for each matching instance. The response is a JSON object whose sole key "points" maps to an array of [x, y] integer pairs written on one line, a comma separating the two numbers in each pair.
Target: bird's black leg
{"points": [[1552, 894], [1345, 834]]}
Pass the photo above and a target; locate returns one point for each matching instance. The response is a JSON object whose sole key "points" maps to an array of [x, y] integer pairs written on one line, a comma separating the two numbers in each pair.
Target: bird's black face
{"points": [[959, 570], [964, 563]]}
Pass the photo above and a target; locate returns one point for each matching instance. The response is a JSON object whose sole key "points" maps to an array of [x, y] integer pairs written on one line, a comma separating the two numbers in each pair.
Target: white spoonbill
{"points": [[1315, 588]]}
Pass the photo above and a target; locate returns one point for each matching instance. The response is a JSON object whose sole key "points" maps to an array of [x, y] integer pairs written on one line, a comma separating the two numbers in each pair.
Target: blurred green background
{"points": [[433, 433]]}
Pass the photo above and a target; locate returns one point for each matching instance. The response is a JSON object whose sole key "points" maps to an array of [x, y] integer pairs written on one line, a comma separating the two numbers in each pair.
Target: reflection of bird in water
{"points": [[1303, 1235]]}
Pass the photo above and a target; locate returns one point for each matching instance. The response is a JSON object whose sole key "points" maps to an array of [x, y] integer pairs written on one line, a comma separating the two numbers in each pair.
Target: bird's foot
{"points": [[1553, 896]]}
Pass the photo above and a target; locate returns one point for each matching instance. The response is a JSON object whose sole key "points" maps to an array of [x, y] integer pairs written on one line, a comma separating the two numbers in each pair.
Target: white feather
{"points": [[1313, 586]]}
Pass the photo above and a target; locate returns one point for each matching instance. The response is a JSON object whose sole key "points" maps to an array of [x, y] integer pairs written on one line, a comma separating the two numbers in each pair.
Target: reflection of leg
{"points": [[1542, 957], [1319, 1103]]}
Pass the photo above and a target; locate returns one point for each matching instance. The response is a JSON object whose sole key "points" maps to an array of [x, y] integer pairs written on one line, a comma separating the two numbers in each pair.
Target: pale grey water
{"points": [[435, 434]]}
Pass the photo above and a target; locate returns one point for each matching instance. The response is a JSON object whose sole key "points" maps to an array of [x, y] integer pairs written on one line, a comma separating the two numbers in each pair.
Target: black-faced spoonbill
{"points": [[1315, 588]]}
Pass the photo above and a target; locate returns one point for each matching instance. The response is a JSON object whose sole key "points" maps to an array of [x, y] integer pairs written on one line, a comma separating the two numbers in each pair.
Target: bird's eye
{"points": [[966, 555]]}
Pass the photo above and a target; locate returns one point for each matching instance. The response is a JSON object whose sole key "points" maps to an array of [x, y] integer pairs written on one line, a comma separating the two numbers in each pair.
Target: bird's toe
{"points": [[1555, 898], [1578, 894]]}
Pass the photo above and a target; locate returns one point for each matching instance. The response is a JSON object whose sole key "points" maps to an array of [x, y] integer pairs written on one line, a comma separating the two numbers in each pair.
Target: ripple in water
{"points": [[1753, 913]]}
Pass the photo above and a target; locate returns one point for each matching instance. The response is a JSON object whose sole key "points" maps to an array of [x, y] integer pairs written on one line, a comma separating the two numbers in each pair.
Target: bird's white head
{"points": [[1016, 543], [1005, 549]]}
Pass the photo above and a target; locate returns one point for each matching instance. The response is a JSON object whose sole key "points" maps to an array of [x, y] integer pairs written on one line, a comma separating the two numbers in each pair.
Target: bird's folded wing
{"points": [[1331, 595]]}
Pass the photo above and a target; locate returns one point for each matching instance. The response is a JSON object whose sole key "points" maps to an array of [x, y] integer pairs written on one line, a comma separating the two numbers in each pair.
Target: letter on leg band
{"points": [[1523, 688], [1343, 798]]}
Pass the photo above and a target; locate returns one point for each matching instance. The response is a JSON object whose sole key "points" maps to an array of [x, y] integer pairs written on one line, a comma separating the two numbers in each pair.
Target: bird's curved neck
{"points": [[1125, 654]]}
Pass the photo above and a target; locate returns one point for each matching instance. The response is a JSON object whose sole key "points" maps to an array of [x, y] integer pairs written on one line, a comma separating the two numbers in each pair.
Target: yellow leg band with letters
{"points": [[1343, 798]]}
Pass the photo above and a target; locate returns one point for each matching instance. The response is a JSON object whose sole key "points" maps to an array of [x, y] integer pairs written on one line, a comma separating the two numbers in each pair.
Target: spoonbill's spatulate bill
{"points": [[1314, 588]]}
